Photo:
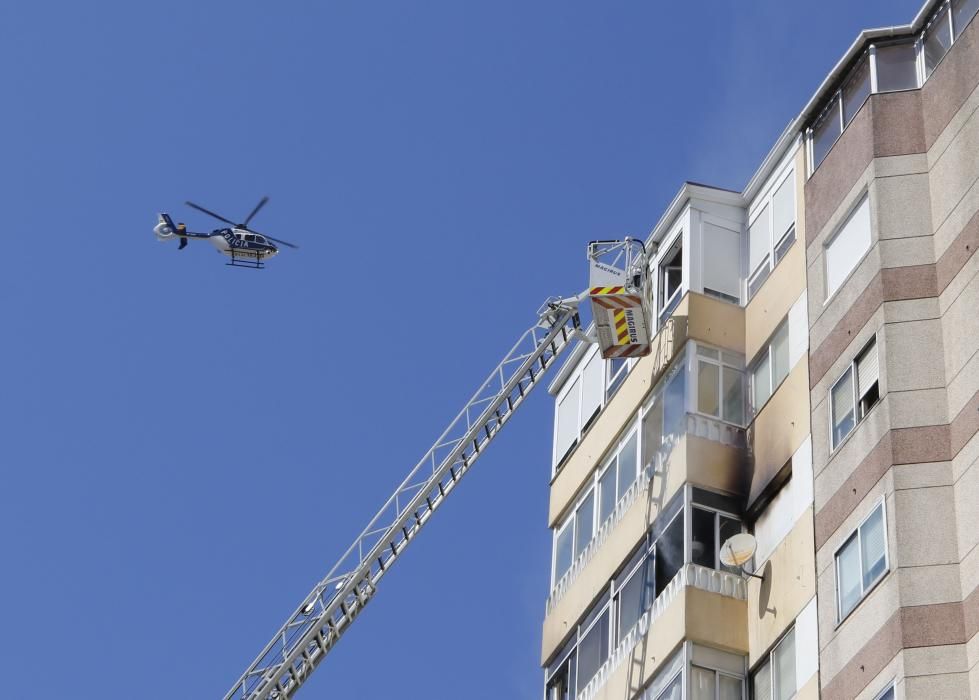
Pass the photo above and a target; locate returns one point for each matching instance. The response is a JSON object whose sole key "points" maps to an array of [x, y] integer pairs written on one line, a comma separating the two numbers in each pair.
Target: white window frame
{"points": [[664, 303], [864, 590], [557, 532], [690, 506], [583, 630], [861, 200], [717, 672], [769, 660], [858, 394], [723, 363], [775, 238], [570, 519], [946, 9], [767, 352], [612, 461], [891, 687], [614, 381]]}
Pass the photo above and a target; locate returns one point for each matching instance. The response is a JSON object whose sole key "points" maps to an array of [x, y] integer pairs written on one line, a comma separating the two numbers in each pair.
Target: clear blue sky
{"points": [[185, 448]]}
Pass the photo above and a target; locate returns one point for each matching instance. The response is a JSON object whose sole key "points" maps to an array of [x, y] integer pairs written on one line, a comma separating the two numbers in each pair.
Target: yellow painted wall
{"points": [[781, 427]]}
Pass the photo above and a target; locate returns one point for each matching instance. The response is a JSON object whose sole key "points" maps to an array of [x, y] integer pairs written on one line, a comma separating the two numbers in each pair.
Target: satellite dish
{"points": [[738, 549]]}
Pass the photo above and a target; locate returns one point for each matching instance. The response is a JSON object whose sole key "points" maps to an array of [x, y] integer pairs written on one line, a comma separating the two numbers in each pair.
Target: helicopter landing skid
{"points": [[253, 262]]}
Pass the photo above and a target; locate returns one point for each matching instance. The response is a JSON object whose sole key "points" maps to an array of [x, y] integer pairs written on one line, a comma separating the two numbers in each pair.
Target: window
{"points": [[759, 244], [937, 40], [708, 684], [775, 678], [709, 531], [616, 368], [671, 278], [605, 489], [584, 523], [635, 591], [771, 230], [887, 693], [856, 91], [574, 534], [566, 431], [593, 647], [722, 262], [861, 562], [585, 393], [669, 552], [561, 673], [962, 13], [783, 216], [719, 382], [848, 246], [770, 368], [563, 549], [855, 393], [897, 66], [674, 691], [619, 474], [825, 132]]}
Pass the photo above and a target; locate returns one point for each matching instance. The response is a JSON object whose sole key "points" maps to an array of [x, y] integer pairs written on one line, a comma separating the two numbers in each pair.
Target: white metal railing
{"points": [[689, 576], [716, 430]]}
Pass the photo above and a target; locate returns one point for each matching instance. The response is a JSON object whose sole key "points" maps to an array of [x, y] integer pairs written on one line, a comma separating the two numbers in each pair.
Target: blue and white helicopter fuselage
{"points": [[236, 243]]}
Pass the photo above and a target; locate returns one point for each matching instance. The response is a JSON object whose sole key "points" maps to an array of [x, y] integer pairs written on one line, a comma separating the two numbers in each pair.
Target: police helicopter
{"points": [[246, 247]]}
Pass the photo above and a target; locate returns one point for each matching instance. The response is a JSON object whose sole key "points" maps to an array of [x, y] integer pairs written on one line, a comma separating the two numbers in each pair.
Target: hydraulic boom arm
{"points": [[325, 614]]}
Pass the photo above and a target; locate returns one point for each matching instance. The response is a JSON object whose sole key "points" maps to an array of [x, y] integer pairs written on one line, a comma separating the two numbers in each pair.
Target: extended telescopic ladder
{"points": [[325, 614]]}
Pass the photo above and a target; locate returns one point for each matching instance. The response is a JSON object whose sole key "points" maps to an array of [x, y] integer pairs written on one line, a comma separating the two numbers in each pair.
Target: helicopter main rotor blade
{"points": [[198, 207], [255, 210]]}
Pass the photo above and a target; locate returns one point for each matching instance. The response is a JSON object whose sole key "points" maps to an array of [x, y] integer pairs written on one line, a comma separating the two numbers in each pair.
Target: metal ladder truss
{"points": [[325, 614]]}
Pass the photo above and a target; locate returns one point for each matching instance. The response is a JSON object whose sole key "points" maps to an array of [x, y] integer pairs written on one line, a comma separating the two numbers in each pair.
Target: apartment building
{"points": [[814, 381]]}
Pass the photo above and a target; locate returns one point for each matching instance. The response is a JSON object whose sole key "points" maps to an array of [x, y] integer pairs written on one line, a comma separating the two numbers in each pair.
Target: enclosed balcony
{"points": [[673, 587]]}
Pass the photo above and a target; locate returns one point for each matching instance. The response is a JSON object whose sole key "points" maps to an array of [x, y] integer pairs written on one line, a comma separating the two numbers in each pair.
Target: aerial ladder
{"points": [[620, 297]]}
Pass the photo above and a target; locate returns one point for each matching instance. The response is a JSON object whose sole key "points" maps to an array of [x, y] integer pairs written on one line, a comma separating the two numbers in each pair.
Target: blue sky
{"points": [[186, 448]]}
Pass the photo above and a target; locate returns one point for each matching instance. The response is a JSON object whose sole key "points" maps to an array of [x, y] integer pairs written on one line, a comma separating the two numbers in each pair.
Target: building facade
{"points": [[814, 381]]}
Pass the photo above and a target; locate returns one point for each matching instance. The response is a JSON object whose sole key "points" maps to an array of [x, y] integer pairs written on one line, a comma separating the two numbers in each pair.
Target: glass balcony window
{"points": [[937, 41], [962, 13], [670, 278], [856, 91]]}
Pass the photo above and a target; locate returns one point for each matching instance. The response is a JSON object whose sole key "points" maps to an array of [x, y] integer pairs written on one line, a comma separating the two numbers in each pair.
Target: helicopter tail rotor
{"points": [[165, 229]]}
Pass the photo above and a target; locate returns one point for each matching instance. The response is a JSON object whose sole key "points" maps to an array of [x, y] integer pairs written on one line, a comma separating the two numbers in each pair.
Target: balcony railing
{"points": [[690, 576]]}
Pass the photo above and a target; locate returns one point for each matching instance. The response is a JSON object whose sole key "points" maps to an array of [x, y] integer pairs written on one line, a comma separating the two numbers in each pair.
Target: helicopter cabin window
{"points": [[671, 278]]}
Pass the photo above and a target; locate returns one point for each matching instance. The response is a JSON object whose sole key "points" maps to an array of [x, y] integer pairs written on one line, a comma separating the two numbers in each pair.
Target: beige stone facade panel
{"points": [[926, 527], [911, 310], [929, 585], [789, 585], [904, 211]]}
